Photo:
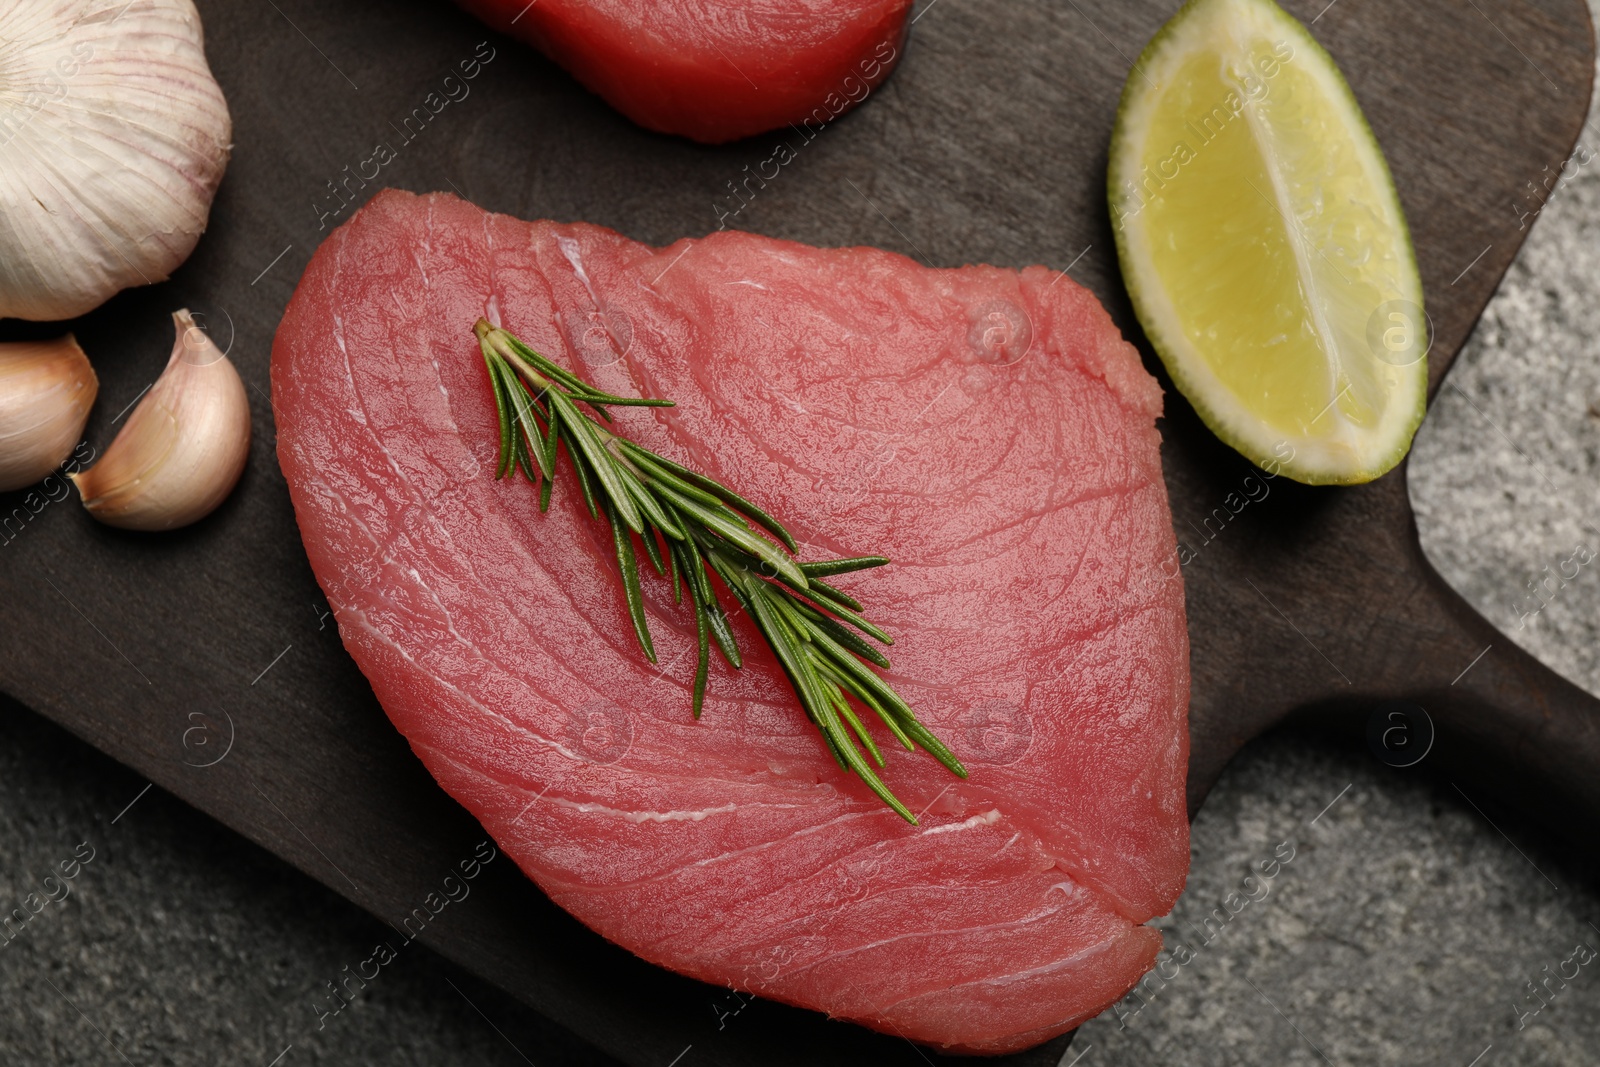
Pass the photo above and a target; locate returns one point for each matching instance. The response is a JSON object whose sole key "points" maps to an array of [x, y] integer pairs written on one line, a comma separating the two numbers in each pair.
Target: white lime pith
{"points": [[1264, 247]]}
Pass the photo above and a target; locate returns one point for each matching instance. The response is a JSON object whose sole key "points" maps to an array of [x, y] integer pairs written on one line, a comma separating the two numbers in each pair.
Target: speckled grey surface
{"points": [[179, 942], [1505, 474], [1406, 928]]}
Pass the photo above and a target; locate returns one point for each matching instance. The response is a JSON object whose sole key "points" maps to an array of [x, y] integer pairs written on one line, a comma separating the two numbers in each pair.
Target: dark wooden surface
{"points": [[208, 646]]}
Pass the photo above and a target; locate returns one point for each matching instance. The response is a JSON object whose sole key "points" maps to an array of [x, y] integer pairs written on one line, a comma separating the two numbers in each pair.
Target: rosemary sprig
{"points": [[694, 527]]}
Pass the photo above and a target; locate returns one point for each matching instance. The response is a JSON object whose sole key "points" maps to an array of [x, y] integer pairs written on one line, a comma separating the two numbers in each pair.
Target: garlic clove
{"points": [[114, 136], [46, 391], [183, 448]]}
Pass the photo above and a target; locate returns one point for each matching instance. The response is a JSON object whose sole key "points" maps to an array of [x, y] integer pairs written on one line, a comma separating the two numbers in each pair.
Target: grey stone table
{"points": [[1403, 925]]}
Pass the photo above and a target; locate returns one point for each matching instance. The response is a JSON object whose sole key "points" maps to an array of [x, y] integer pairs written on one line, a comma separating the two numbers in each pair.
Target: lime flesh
{"points": [[1264, 247]]}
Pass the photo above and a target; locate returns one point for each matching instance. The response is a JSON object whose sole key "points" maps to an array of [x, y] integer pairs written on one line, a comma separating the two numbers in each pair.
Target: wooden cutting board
{"points": [[206, 660]]}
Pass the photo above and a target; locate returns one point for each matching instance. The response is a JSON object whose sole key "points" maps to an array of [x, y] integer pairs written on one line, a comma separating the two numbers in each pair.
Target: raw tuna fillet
{"points": [[715, 70], [988, 429]]}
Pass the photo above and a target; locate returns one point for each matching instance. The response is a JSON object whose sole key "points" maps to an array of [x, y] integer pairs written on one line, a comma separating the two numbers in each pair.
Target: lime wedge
{"points": [[1264, 246]]}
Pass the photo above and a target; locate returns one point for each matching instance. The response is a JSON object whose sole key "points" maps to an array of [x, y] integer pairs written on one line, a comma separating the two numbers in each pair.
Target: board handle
{"points": [[1505, 727]]}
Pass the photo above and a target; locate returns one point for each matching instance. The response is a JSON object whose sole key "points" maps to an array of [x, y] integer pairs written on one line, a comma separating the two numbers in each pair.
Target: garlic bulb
{"points": [[113, 139], [184, 446], [46, 391]]}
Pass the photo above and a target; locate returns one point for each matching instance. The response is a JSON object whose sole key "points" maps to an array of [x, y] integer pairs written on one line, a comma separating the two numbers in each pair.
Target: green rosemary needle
{"points": [[691, 527]]}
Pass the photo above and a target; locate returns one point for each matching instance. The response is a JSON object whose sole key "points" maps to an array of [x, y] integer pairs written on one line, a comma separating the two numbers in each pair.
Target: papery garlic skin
{"points": [[183, 448], [46, 391], [113, 139]]}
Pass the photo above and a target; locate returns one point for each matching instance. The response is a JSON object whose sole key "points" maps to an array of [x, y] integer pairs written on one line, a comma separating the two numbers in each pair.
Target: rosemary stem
{"points": [[818, 633]]}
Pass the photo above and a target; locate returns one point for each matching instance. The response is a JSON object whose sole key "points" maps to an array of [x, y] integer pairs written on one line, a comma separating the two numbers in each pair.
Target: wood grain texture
{"points": [[987, 145]]}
